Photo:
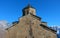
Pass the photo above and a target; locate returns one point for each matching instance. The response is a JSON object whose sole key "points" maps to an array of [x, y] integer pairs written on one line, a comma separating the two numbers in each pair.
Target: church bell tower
{"points": [[29, 10]]}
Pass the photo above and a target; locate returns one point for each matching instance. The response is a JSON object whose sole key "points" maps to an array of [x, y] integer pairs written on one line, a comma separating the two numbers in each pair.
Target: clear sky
{"points": [[48, 10]]}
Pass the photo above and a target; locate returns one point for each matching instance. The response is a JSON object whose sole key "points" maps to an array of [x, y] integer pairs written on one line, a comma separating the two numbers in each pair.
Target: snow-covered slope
{"points": [[3, 24], [57, 28]]}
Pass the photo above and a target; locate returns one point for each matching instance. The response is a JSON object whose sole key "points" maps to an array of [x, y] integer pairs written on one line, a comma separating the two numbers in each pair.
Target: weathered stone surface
{"points": [[22, 29]]}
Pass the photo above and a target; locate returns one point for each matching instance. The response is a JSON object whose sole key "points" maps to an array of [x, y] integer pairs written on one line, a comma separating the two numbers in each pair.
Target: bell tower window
{"points": [[29, 9]]}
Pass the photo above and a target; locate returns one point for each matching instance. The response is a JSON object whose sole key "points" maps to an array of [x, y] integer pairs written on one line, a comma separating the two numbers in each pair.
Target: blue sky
{"points": [[48, 10]]}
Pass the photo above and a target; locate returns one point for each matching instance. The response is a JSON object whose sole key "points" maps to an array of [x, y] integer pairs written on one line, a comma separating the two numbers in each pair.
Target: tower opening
{"points": [[29, 10]]}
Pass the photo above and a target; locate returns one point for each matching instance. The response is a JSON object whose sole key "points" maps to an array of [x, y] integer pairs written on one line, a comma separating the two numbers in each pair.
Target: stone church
{"points": [[30, 26]]}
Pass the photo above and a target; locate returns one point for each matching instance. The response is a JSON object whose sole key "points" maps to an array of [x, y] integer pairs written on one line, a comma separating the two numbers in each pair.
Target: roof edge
{"points": [[54, 31]]}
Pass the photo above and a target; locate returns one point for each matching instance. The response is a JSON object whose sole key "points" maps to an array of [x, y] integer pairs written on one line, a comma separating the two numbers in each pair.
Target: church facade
{"points": [[30, 26]]}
